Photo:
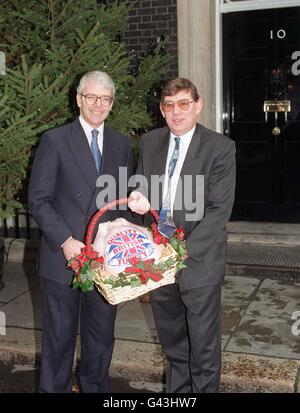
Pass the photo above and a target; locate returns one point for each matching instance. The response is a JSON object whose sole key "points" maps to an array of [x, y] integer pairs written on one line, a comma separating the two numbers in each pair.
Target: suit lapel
{"points": [[108, 153], [81, 151], [159, 155], [158, 161], [192, 154]]}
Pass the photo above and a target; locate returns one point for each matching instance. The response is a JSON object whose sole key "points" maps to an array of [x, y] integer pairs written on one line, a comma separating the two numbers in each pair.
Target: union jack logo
{"points": [[125, 246]]}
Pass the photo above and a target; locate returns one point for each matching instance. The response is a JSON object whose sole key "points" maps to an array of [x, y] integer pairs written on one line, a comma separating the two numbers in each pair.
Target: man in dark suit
{"points": [[198, 195], [62, 199]]}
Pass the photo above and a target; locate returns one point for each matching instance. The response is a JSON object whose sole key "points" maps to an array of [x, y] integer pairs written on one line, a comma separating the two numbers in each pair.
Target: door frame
{"points": [[229, 6]]}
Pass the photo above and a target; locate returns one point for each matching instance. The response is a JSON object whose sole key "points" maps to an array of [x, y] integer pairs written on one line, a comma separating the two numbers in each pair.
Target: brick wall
{"points": [[150, 20]]}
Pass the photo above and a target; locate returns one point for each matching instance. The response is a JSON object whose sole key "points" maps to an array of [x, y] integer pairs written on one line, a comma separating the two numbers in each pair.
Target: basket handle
{"points": [[98, 214]]}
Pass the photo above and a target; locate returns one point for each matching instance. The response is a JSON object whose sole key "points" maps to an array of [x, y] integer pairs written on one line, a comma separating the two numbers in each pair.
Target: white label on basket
{"points": [[126, 244]]}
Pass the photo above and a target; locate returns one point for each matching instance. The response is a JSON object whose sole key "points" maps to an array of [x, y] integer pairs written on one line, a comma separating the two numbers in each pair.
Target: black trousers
{"points": [[62, 308], [189, 329]]}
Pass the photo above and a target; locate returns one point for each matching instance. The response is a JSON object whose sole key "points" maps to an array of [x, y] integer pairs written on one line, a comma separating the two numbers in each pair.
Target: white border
{"points": [[244, 5]]}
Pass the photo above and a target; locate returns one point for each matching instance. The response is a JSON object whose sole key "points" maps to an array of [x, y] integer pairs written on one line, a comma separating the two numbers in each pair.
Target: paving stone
{"points": [[239, 289], [236, 296], [18, 279], [25, 311], [266, 336], [135, 320], [275, 298]]}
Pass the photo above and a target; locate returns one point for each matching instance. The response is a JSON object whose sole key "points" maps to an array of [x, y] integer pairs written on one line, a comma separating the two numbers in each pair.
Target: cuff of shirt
{"points": [[63, 244]]}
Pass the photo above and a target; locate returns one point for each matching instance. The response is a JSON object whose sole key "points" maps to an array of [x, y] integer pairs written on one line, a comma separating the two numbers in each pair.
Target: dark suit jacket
{"points": [[212, 155], [62, 189]]}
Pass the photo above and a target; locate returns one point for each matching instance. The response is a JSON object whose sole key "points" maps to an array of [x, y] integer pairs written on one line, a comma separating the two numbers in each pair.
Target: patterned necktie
{"points": [[166, 224], [95, 150]]}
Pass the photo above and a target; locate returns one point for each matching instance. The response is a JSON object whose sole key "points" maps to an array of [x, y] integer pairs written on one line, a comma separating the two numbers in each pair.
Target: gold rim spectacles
{"points": [[183, 104], [92, 99]]}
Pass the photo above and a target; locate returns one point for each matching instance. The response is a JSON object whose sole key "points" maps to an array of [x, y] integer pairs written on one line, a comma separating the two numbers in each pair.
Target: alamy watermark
{"points": [[296, 325], [2, 63], [2, 324], [296, 65], [189, 191]]}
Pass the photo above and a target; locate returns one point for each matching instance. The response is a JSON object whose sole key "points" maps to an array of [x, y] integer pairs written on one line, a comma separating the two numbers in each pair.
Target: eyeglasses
{"points": [[92, 99], [183, 104]]}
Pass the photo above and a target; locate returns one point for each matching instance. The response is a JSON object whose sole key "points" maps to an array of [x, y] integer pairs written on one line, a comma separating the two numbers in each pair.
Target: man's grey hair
{"points": [[100, 78]]}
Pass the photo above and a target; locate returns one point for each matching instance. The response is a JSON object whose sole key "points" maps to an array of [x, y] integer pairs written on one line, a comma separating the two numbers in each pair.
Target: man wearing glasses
{"points": [[188, 313], [62, 199]]}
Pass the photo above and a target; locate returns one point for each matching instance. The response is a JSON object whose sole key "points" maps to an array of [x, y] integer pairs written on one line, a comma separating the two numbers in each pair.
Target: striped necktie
{"points": [[166, 224], [95, 150]]}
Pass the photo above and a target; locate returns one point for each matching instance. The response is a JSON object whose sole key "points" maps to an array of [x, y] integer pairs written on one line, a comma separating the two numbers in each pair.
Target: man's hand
{"points": [[138, 203], [72, 247]]}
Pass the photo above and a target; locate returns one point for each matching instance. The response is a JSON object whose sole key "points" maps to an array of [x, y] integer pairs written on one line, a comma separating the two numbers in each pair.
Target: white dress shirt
{"points": [[88, 133], [185, 141]]}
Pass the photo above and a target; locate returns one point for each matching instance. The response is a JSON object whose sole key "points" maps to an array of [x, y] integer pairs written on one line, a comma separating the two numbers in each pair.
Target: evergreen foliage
{"points": [[49, 44]]}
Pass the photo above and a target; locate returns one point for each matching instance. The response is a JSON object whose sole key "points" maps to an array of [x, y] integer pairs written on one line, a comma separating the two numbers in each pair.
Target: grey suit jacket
{"points": [[211, 155], [62, 189]]}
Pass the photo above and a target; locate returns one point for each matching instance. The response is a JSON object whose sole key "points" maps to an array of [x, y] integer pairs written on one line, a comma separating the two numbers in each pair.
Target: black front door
{"points": [[261, 66]]}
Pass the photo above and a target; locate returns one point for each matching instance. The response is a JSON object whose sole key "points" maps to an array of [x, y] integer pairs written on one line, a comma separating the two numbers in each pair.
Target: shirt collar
{"points": [[184, 139], [88, 128]]}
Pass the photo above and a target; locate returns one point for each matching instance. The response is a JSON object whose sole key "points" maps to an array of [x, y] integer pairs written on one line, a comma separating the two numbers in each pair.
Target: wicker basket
{"points": [[116, 295]]}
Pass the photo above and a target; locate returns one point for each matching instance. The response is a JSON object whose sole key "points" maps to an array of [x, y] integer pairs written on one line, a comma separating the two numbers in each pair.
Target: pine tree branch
{"points": [[89, 35]]}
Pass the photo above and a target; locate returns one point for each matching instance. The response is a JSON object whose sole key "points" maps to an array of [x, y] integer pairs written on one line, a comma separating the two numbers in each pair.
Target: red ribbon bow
{"points": [[146, 272]]}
